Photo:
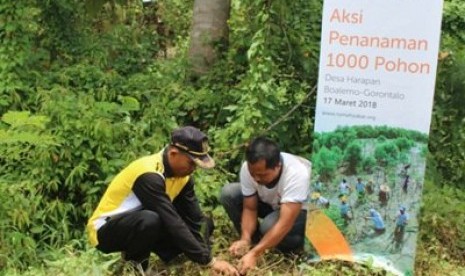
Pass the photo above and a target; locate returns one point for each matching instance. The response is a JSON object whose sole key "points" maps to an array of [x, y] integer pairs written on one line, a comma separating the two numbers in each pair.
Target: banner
{"points": [[375, 93]]}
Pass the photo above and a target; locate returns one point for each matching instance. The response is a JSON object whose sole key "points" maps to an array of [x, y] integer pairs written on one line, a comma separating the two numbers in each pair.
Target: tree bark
{"points": [[209, 34]]}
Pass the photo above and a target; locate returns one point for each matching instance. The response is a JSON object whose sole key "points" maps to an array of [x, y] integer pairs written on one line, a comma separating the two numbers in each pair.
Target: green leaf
{"points": [[129, 103], [230, 107], [37, 229]]}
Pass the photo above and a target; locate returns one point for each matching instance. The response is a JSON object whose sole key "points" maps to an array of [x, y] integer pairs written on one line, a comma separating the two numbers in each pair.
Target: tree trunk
{"points": [[209, 34]]}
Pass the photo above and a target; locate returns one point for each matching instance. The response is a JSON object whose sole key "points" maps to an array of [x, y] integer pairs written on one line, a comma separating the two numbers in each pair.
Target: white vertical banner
{"points": [[376, 86], [378, 60]]}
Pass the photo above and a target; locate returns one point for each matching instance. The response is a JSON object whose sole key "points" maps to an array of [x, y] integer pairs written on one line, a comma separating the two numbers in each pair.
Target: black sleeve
{"points": [[150, 190], [187, 206]]}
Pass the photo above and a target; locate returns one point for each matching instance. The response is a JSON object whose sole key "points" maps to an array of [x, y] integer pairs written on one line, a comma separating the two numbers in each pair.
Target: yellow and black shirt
{"points": [[148, 183]]}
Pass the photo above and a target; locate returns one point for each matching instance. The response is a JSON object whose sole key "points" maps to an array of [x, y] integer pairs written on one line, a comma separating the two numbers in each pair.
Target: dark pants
{"points": [[231, 199], [139, 233]]}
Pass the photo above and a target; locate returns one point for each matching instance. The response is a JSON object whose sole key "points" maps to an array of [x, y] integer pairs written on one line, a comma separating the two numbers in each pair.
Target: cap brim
{"points": [[204, 162]]}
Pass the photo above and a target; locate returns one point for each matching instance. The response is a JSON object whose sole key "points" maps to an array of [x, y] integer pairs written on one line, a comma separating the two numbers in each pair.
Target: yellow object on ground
{"points": [[326, 238]]}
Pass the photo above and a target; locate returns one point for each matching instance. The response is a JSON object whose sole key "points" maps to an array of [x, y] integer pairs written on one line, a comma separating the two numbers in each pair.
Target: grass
{"points": [[69, 261], [439, 251]]}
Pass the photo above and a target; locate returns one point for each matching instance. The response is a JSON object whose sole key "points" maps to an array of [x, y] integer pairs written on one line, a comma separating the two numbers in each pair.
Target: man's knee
{"points": [[294, 239], [230, 193], [268, 222], [291, 244], [149, 221]]}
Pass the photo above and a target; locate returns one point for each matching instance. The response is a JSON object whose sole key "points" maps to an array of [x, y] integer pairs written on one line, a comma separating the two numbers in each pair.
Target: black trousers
{"points": [[232, 201], [137, 234]]}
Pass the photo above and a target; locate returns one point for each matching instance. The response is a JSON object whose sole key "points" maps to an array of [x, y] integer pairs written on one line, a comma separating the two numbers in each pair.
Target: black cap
{"points": [[195, 143]]}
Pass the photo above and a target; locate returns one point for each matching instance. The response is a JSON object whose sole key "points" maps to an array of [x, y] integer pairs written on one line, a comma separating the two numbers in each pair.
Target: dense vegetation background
{"points": [[87, 86]]}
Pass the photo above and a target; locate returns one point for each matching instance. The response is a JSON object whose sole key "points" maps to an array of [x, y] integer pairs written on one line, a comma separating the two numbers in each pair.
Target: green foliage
{"points": [[404, 144], [18, 28], [352, 147], [68, 261], [335, 139], [23, 136], [326, 161], [275, 70], [454, 20], [353, 156], [55, 165], [447, 141], [368, 163], [444, 236], [20, 128], [386, 154], [176, 16]]}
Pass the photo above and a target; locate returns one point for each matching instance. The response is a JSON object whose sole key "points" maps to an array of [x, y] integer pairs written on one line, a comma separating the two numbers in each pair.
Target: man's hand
{"points": [[249, 261], [239, 248], [220, 267]]}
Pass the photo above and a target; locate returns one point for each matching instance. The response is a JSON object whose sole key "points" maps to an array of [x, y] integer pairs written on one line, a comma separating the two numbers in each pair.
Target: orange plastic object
{"points": [[326, 238]]}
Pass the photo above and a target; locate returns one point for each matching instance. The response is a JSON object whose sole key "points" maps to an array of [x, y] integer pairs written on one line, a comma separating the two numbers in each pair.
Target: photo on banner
{"points": [[375, 94]]}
